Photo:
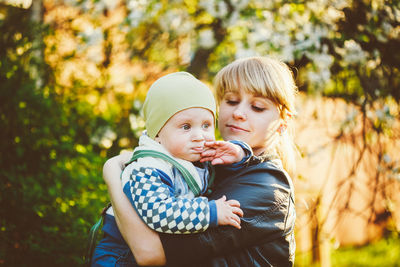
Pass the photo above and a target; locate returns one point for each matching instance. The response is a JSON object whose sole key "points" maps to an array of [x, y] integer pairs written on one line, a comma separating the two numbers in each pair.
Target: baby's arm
{"points": [[224, 152], [149, 193]]}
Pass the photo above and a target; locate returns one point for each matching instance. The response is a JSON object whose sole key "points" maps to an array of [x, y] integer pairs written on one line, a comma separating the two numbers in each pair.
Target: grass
{"points": [[385, 252]]}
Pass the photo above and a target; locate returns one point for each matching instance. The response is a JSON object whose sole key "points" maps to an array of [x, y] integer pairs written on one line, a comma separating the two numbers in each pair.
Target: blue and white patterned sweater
{"points": [[162, 198]]}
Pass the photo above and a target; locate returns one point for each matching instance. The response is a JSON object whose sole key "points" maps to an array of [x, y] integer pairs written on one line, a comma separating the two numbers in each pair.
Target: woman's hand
{"points": [[114, 166], [228, 212], [222, 152]]}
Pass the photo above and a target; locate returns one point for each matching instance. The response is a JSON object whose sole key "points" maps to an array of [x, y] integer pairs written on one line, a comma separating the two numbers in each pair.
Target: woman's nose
{"points": [[239, 113]]}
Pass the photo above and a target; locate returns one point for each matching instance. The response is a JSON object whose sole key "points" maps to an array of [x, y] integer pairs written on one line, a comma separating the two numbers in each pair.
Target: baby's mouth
{"points": [[198, 149]]}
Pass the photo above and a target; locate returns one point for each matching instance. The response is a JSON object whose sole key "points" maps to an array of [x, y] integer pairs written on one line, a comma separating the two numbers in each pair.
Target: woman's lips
{"points": [[235, 128]]}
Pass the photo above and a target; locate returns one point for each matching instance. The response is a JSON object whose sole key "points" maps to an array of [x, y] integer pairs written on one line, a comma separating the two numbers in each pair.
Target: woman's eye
{"points": [[186, 127], [232, 102], [257, 109]]}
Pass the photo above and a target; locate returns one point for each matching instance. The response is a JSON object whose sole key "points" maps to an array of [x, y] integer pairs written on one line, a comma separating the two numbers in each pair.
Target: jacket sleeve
{"points": [[244, 161], [266, 198], [161, 210]]}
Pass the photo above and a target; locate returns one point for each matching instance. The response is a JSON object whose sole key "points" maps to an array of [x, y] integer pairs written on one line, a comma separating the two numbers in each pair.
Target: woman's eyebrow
{"points": [[230, 93], [259, 95]]}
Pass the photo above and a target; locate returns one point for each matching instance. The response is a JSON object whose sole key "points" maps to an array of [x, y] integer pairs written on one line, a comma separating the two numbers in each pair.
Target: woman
{"points": [[256, 100]]}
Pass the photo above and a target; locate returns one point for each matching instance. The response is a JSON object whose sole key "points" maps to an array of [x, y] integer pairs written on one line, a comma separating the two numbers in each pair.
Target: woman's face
{"points": [[249, 118]]}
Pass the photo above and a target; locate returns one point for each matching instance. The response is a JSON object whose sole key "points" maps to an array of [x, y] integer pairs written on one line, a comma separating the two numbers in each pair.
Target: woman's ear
{"points": [[282, 127]]}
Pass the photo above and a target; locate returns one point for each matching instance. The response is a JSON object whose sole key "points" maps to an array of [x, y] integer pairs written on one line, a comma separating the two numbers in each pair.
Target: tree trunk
{"points": [[320, 241], [36, 16]]}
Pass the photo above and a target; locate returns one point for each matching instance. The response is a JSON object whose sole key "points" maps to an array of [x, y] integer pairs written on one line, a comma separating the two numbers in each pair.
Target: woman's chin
{"points": [[235, 136]]}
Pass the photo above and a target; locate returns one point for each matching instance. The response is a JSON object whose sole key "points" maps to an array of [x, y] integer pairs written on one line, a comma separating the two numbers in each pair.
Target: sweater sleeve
{"points": [[161, 210], [267, 201]]}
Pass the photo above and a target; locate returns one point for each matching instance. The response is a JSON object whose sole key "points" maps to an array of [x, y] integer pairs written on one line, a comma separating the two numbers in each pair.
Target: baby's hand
{"points": [[222, 152], [228, 212]]}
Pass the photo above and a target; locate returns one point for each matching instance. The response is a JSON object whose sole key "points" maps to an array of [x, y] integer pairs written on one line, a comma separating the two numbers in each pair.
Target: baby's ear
{"points": [[157, 139]]}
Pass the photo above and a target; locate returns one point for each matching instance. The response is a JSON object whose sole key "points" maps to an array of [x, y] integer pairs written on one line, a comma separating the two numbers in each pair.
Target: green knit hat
{"points": [[173, 93]]}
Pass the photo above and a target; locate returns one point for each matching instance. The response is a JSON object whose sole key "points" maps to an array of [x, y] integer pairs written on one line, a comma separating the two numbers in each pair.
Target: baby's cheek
{"points": [[210, 137]]}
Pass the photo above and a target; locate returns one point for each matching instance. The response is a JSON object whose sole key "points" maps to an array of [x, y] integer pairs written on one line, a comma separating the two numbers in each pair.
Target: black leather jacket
{"points": [[266, 196]]}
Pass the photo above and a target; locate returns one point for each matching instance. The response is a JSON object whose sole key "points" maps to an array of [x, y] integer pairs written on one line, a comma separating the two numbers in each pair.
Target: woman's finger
{"points": [[209, 143], [205, 159], [213, 143], [217, 161], [208, 153]]}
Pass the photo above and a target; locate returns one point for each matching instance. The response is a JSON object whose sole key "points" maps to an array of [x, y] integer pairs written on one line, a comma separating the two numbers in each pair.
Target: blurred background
{"points": [[74, 74]]}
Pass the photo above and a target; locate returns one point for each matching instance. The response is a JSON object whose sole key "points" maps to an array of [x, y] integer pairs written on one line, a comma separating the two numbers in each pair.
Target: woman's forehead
{"points": [[237, 91]]}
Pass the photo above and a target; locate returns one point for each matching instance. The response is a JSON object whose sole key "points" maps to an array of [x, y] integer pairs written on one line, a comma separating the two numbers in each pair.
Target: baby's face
{"points": [[184, 134]]}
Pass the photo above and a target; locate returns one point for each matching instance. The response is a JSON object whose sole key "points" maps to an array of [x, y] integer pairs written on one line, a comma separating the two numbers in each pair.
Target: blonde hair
{"points": [[269, 78]]}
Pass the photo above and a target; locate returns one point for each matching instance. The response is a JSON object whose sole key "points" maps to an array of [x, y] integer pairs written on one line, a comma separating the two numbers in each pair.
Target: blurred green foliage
{"points": [[51, 186]]}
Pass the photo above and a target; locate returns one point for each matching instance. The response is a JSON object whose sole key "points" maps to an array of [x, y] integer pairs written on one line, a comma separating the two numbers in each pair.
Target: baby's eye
{"points": [[186, 126], [206, 125], [257, 108]]}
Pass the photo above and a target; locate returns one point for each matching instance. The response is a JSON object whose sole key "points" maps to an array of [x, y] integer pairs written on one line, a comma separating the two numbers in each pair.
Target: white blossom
{"points": [[288, 53], [134, 4], [208, 5], [260, 34], [139, 11], [239, 4], [105, 4], [340, 4], [137, 104], [104, 137], [373, 63], [135, 17], [242, 52], [233, 19], [322, 62], [92, 36], [333, 14], [222, 9], [178, 21], [137, 124], [206, 38], [353, 52]]}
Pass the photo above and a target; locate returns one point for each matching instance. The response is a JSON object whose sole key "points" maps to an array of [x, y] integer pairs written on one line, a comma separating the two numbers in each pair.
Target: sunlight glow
{"points": [[18, 3]]}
